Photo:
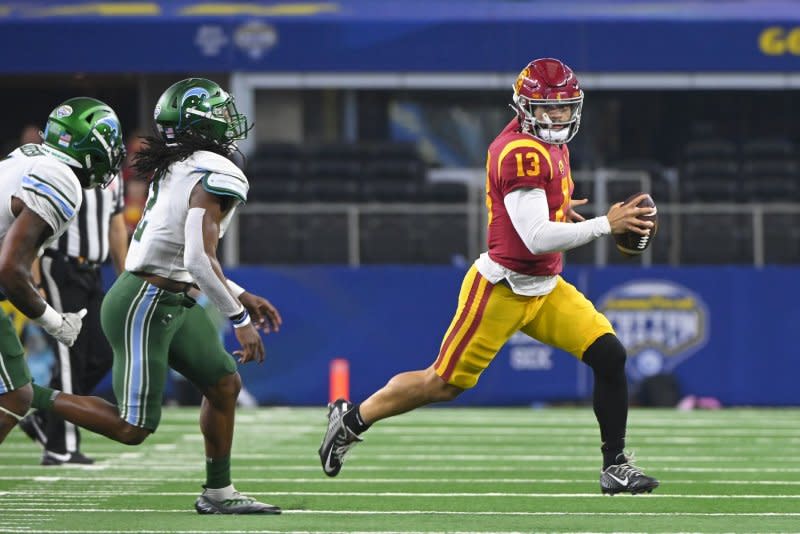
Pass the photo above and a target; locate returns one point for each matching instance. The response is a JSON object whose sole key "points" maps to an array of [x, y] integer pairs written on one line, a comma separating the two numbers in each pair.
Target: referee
{"points": [[71, 280]]}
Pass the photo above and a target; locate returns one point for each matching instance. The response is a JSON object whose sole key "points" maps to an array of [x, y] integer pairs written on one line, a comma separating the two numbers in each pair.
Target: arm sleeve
{"points": [[199, 266], [530, 216]]}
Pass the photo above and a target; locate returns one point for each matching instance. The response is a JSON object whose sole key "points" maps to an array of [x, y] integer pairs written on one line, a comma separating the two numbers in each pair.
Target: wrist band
{"points": [[50, 319], [235, 288], [240, 319]]}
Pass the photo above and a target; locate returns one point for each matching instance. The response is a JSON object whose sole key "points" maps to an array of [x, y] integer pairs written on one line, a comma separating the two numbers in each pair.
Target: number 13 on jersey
{"points": [[528, 164]]}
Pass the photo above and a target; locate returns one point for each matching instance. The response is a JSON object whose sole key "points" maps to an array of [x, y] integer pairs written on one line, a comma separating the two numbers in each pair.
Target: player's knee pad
{"points": [[606, 356]]}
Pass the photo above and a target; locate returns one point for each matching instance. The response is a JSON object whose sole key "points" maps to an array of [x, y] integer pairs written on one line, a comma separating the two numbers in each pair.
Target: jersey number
{"points": [[31, 150], [529, 165], [137, 234], [561, 214]]}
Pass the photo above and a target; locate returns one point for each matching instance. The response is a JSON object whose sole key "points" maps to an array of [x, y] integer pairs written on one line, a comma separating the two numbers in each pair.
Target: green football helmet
{"points": [[202, 107], [86, 134]]}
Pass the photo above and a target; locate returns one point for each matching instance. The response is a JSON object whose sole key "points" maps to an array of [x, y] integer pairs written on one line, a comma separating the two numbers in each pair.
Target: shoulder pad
{"points": [[209, 161], [220, 175], [52, 190]]}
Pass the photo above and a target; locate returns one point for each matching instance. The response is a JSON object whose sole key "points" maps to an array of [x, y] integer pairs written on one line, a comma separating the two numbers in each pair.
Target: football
{"points": [[630, 243]]}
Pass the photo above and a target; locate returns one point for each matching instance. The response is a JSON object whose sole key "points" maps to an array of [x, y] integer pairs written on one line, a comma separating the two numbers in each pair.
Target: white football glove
{"points": [[67, 332]]}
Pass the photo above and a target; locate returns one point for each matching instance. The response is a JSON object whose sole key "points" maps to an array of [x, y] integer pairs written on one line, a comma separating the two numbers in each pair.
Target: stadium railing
{"points": [[443, 233]]}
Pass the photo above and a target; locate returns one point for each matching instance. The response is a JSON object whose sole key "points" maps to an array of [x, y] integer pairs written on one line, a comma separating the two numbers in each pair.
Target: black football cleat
{"points": [[626, 478], [54, 458], [338, 439], [238, 504]]}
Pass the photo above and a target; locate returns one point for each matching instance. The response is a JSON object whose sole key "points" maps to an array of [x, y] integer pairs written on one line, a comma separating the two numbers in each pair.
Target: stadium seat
{"points": [[325, 238], [410, 170], [389, 191], [273, 190], [279, 151], [274, 180], [770, 180], [333, 190], [443, 192], [391, 151], [332, 180], [659, 185], [442, 238], [388, 238], [270, 238], [354, 152], [716, 239], [710, 181], [782, 238], [703, 149], [768, 148], [392, 180]]}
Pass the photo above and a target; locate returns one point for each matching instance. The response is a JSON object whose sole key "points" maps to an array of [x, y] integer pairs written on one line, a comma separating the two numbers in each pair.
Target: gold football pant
{"points": [[489, 314]]}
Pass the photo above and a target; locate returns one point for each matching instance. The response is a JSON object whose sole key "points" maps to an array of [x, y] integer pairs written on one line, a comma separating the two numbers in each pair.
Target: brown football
{"points": [[630, 243]]}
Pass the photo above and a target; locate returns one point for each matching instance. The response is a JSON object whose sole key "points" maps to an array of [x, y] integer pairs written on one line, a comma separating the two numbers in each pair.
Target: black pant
{"points": [[71, 286]]}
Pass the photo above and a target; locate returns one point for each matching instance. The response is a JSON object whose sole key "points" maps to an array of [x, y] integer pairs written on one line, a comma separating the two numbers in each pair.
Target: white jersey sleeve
{"points": [[51, 190]]}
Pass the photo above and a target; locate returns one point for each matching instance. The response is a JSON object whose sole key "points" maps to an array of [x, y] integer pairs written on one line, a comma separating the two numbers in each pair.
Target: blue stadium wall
{"points": [[725, 332]]}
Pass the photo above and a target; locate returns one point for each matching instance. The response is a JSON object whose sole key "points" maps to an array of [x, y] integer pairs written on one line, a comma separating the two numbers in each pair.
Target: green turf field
{"points": [[434, 470]]}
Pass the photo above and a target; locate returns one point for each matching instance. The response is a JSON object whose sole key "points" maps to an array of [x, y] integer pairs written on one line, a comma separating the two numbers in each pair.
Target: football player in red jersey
{"points": [[516, 285]]}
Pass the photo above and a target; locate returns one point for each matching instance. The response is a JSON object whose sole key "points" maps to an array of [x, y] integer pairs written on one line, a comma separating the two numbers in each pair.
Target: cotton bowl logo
{"points": [[660, 323], [255, 38], [63, 111]]}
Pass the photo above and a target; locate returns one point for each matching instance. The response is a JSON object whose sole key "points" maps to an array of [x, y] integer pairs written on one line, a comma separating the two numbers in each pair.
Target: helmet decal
{"points": [[194, 91], [63, 111], [525, 74], [112, 124]]}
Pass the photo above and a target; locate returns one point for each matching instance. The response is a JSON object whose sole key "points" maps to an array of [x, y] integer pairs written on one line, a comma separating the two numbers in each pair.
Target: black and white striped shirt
{"points": [[87, 235]]}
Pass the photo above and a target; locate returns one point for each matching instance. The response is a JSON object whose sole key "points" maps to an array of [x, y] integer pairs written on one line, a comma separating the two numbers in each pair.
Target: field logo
{"points": [[661, 324]]}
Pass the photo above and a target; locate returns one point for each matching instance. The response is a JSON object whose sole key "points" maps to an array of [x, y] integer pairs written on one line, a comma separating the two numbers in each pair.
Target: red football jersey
{"points": [[515, 161]]}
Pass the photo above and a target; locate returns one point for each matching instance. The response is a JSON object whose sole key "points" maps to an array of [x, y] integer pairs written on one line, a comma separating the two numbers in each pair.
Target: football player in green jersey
{"points": [[149, 315]]}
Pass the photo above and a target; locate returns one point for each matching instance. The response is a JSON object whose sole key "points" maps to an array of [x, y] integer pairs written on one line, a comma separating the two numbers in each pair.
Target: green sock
{"points": [[218, 472], [43, 397]]}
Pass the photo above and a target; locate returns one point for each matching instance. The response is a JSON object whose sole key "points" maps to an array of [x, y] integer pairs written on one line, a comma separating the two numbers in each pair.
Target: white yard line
{"points": [[23, 496], [138, 481], [441, 512]]}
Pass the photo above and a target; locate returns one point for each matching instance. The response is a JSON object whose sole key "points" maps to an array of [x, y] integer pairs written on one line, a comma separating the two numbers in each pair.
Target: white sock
{"points": [[220, 494]]}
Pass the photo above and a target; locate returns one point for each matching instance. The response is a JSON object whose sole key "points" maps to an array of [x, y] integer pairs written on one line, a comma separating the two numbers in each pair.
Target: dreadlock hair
{"points": [[154, 159]]}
